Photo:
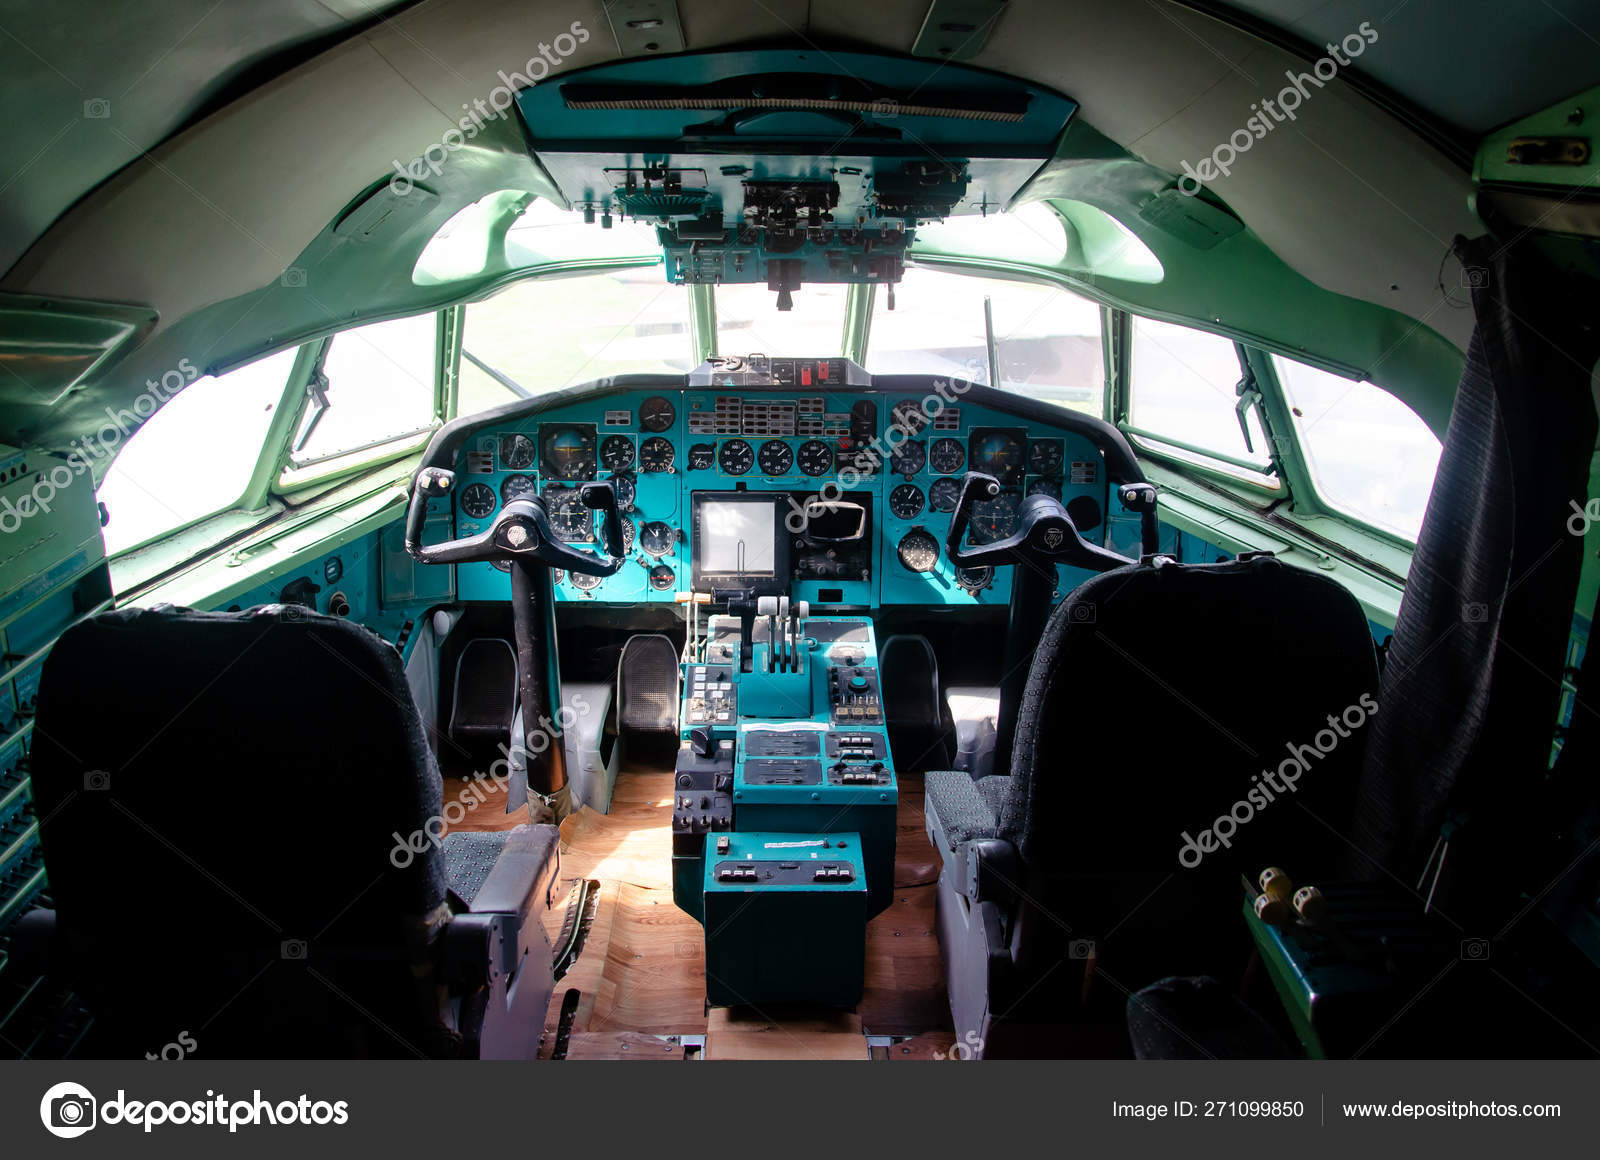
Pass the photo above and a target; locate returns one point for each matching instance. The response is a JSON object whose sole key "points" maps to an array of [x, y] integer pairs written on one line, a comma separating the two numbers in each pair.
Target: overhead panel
{"points": [[786, 166]]}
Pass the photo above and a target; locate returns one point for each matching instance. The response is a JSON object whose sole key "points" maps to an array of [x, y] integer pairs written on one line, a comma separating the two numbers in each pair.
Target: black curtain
{"points": [[1470, 693]]}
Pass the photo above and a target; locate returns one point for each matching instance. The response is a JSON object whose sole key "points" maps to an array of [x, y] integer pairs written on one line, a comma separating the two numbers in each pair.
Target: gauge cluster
{"points": [[845, 458]]}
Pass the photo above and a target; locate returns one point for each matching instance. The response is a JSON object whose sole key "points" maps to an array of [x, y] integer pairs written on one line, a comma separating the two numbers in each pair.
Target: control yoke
{"points": [[521, 533], [1045, 533], [1045, 537], [521, 536]]}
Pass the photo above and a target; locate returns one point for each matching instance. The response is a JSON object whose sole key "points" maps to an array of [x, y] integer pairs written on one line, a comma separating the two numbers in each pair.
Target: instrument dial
{"points": [[1049, 487], [775, 457], [657, 538], [516, 487], [918, 551], [570, 520], [994, 519], [815, 457], [947, 456], [975, 579], [517, 452], [662, 578], [629, 534], [656, 455], [905, 501], [477, 500], [702, 456], [1045, 457], [585, 582], [909, 415], [616, 453], [944, 493], [566, 450], [735, 457], [657, 413], [627, 492], [909, 458]]}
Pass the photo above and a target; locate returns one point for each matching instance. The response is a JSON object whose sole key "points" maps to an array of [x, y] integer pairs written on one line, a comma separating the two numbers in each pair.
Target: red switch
{"points": [[805, 376]]}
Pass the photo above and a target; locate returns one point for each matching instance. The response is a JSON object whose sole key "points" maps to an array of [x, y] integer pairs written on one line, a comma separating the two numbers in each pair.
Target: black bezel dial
{"points": [[616, 453], [815, 458], [909, 458], [658, 538], [657, 413], [657, 455], [775, 457], [947, 456], [735, 457], [516, 487], [517, 452], [905, 501], [477, 501], [943, 494]]}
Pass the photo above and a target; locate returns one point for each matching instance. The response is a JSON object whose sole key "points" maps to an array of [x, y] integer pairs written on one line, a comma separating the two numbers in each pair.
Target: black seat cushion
{"points": [[235, 815], [1162, 694]]}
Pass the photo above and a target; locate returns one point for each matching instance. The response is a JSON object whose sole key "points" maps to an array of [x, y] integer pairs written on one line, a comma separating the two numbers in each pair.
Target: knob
{"points": [[858, 682]]}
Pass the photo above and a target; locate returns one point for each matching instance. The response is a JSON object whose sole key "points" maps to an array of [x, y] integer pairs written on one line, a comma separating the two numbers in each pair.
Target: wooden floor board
{"points": [[641, 974]]}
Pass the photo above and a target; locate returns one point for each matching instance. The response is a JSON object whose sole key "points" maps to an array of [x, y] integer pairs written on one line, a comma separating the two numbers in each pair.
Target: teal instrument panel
{"points": [[840, 456]]}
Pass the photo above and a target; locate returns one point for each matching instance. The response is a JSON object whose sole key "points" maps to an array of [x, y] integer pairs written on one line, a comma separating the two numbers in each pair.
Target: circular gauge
{"points": [[775, 457], [662, 578], [1047, 487], [947, 456], [616, 453], [735, 457], [908, 458], [657, 538], [944, 493], [919, 552], [909, 415], [557, 575], [905, 501], [657, 454], [477, 501], [1044, 457], [569, 518], [516, 487], [975, 579], [332, 569], [585, 582], [702, 456], [629, 534], [627, 493], [517, 452], [815, 457], [568, 452], [994, 519], [657, 413]]}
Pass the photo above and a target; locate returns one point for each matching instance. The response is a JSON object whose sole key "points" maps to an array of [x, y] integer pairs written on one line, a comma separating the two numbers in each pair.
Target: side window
{"points": [[380, 388], [548, 333], [1182, 399], [194, 456], [1369, 454], [1048, 339]]}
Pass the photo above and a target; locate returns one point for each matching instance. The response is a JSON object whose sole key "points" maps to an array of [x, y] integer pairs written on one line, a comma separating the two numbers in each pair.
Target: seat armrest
{"points": [[524, 874], [992, 871], [954, 812]]}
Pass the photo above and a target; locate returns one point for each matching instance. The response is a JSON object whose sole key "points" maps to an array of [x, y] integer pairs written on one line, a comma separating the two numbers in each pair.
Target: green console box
{"points": [[785, 919]]}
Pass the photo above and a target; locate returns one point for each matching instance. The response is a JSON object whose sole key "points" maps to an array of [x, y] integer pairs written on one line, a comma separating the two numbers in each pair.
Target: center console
{"points": [[784, 815]]}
